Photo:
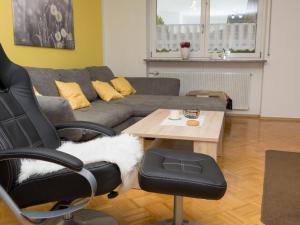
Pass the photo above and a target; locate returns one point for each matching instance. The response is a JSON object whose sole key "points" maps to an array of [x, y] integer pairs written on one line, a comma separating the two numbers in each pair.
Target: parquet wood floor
{"points": [[245, 143]]}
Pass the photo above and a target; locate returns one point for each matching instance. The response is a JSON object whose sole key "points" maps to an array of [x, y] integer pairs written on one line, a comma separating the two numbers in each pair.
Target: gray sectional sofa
{"points": [[152, 94]]}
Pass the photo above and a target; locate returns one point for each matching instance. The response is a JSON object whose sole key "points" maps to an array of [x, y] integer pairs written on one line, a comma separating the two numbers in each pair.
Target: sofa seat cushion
{"points": [[81, 77], [103, 113], [143, 105], [191, 102]]}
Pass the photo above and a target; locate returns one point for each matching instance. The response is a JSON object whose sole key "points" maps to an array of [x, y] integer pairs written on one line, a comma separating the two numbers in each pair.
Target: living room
{"points": [[188, 80]]}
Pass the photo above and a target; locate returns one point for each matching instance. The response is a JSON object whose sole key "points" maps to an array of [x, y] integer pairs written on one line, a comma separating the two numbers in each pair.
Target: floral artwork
{"points": [[44, 23]]}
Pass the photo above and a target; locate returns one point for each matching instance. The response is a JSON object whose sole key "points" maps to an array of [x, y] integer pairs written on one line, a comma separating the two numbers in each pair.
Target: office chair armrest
{"points": [[82, 125], [53, 156], [49, 155]]}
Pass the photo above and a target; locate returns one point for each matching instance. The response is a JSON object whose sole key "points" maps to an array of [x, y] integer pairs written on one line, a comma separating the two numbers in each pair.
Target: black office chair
{"points": [[25, 133]]}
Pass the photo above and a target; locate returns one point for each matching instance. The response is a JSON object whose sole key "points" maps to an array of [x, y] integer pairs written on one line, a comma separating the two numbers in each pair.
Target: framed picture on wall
{"points": [[44, 23]]}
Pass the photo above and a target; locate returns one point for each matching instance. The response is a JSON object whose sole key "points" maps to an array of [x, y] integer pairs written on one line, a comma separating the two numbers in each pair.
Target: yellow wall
{"points": [[88, 39]]}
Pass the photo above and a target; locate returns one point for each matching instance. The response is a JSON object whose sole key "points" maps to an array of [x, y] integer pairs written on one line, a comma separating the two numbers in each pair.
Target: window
{"points": [[176, 22], [209, 25]]}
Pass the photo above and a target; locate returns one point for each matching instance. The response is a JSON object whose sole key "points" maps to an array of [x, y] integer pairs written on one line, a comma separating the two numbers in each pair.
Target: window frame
{"points": [[204, 34]]}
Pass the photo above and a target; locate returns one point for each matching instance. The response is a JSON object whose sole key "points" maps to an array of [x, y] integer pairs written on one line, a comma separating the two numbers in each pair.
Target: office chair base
{"points": [[171, 222], [84, 217]]}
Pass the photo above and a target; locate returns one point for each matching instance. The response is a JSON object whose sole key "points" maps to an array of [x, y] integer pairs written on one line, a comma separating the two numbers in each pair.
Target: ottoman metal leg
{"points": [[178, 214]]}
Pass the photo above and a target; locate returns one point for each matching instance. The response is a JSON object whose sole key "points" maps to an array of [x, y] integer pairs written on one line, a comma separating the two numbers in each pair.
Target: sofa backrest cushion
{"points": [[101, 73], [81, 77], [43, 80]]}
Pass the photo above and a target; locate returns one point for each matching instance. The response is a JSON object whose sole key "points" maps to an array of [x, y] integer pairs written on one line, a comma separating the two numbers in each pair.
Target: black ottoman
{"points": [[181, 173]]}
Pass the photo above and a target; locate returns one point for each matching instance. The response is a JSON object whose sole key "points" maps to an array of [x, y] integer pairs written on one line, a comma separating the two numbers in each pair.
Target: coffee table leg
{"points": [[208, 148], [142, 141], [220, 148]]}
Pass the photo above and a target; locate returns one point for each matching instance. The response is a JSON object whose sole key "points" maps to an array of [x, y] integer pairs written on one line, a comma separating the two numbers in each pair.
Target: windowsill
{"points": [[232, 60]]}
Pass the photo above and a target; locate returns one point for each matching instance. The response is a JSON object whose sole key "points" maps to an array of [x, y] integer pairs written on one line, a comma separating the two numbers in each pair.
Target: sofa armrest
{"points": [[57, 109], [84, 125], [155, 86]]}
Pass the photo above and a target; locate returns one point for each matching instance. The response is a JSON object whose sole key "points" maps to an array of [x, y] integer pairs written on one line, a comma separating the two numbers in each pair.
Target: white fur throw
{"points": [[124, 150]]}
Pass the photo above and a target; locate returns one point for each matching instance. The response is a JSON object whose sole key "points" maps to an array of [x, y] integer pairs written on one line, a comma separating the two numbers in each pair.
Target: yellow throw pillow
{"points": [[36, 92], [123, 86], [106, 91], [73, 93]]}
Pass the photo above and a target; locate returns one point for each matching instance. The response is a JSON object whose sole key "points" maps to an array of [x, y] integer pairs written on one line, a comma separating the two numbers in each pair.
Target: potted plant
{"points": [[185, 50]]}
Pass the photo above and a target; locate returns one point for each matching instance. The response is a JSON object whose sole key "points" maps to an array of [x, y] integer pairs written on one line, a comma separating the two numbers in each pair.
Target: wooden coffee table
{"points": [[206, 138]]}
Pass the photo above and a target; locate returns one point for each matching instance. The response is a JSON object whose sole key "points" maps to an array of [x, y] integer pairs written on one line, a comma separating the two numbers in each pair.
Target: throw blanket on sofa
{"points": [[124, 150], [213, 94]]}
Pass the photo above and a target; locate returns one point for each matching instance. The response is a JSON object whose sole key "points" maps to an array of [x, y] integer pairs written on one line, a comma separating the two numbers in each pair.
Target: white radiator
{"points": [[236, 85]]}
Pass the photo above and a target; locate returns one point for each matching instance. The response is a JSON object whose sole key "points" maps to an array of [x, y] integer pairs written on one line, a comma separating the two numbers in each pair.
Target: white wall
{"points": [[278, 95], [125, 36], [281, 86]]}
